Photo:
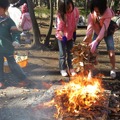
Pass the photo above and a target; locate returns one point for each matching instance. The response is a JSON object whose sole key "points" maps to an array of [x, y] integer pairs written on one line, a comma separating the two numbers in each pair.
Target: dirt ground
{"points": [[42, 69]]}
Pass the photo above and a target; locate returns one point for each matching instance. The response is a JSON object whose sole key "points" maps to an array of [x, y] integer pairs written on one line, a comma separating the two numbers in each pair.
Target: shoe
{"points": [[24, 83], [72, 72], [64, 73], [23, 34], [113, 74]]}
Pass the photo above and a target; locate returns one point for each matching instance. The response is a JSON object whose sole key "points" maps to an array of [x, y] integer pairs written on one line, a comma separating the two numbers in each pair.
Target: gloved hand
{"points": [[93, 46], [16, 44], [74, 36], [64, 40]]}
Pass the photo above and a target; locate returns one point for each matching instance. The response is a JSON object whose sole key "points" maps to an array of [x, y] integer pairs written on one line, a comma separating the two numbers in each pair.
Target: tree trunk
{"points": [[51, 24], [48, 4], [36, 31]]}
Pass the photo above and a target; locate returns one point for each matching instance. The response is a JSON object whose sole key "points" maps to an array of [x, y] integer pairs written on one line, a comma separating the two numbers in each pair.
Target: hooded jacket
{"points": [[26, 23], [104, 21], [8, 35], [69, 26]]}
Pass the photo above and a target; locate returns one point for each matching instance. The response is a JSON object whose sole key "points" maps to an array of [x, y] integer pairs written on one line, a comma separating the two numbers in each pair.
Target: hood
{"points": [[109, 13]]}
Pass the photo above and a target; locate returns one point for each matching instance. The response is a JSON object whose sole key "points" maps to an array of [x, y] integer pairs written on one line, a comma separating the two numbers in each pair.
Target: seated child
{"points": [[25, 22]]}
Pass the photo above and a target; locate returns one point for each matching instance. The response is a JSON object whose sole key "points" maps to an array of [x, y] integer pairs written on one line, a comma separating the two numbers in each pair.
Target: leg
{"points": [[15, 68], [1, 70], [69, 57], [28, 37], [62, 58], [112, 58], [110, 47]]}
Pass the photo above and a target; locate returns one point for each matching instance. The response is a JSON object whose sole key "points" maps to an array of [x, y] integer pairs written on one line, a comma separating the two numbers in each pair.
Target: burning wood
{"points": [[81, 98]]}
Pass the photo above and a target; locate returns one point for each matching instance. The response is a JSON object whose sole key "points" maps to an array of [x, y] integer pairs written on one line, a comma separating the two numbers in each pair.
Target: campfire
{"points": [[81, 97]]}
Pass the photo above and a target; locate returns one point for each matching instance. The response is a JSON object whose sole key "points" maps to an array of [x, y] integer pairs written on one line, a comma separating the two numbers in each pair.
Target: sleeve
{"points": [[89, 31], [15, 33], [104, 28], [76, 15], [22, 20], [107, 18], [60, 24]]}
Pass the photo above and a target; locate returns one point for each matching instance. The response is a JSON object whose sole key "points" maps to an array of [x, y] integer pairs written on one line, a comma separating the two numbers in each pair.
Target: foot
{"points": [[113, 74], [23, 34], [64, 73], [72, 72], [24, 83]]}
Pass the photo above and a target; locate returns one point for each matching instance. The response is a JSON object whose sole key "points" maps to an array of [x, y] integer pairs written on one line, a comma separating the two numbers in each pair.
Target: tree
{"points": [[51, 24], [36, 31]]}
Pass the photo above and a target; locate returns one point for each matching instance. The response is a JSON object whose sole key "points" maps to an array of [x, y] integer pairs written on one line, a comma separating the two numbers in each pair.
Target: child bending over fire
{"points": [[100, 17]]}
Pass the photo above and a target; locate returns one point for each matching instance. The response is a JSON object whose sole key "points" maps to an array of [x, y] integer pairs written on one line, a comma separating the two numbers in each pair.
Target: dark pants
{"points": [[14, 67], [65, 57]]}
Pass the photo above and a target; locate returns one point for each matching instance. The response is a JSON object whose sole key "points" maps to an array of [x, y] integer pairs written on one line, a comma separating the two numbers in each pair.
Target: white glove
{"points": [[16, 44]]}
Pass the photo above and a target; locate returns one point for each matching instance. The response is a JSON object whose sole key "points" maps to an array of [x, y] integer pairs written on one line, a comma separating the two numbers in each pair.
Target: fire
{"points": [[79, 95]]}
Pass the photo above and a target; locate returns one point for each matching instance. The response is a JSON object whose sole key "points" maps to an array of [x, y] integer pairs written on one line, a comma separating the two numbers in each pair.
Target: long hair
{"points": [[62, 7], [100, 4]]}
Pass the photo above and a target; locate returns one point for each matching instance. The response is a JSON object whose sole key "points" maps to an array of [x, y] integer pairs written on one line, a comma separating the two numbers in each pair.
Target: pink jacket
{"points": [[93, 26], [69, 26], [26, 22]]}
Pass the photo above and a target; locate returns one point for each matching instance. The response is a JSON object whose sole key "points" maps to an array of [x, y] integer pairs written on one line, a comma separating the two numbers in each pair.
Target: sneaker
{"points": [[64, 73], [113, 74], [23, 34], [25, 83], [72, 72]]}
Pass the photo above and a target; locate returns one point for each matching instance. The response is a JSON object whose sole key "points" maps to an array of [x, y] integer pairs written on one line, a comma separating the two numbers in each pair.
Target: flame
{"points": [[78, 95]]}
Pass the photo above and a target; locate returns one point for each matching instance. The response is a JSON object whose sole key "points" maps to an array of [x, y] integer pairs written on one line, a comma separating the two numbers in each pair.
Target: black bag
{"points": [[111, 29]]}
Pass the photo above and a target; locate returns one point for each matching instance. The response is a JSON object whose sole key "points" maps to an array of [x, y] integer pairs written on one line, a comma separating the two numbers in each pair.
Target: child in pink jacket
{"points": [[98, 23], [67, 19], [26, 23]]}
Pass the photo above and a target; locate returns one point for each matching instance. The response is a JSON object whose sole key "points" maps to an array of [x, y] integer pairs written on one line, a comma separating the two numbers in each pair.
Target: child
{"points": [[101, 16], [9, 38], [67, 19], [26, 23]]}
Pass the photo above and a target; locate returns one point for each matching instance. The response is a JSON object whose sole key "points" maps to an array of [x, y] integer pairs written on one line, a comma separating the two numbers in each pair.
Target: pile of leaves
{"points": [[82, 57]]}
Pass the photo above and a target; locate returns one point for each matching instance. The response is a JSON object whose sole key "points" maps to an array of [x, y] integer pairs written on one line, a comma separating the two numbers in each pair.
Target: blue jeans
{"points": [[108, 40], [14, 67], [65, 57]]}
